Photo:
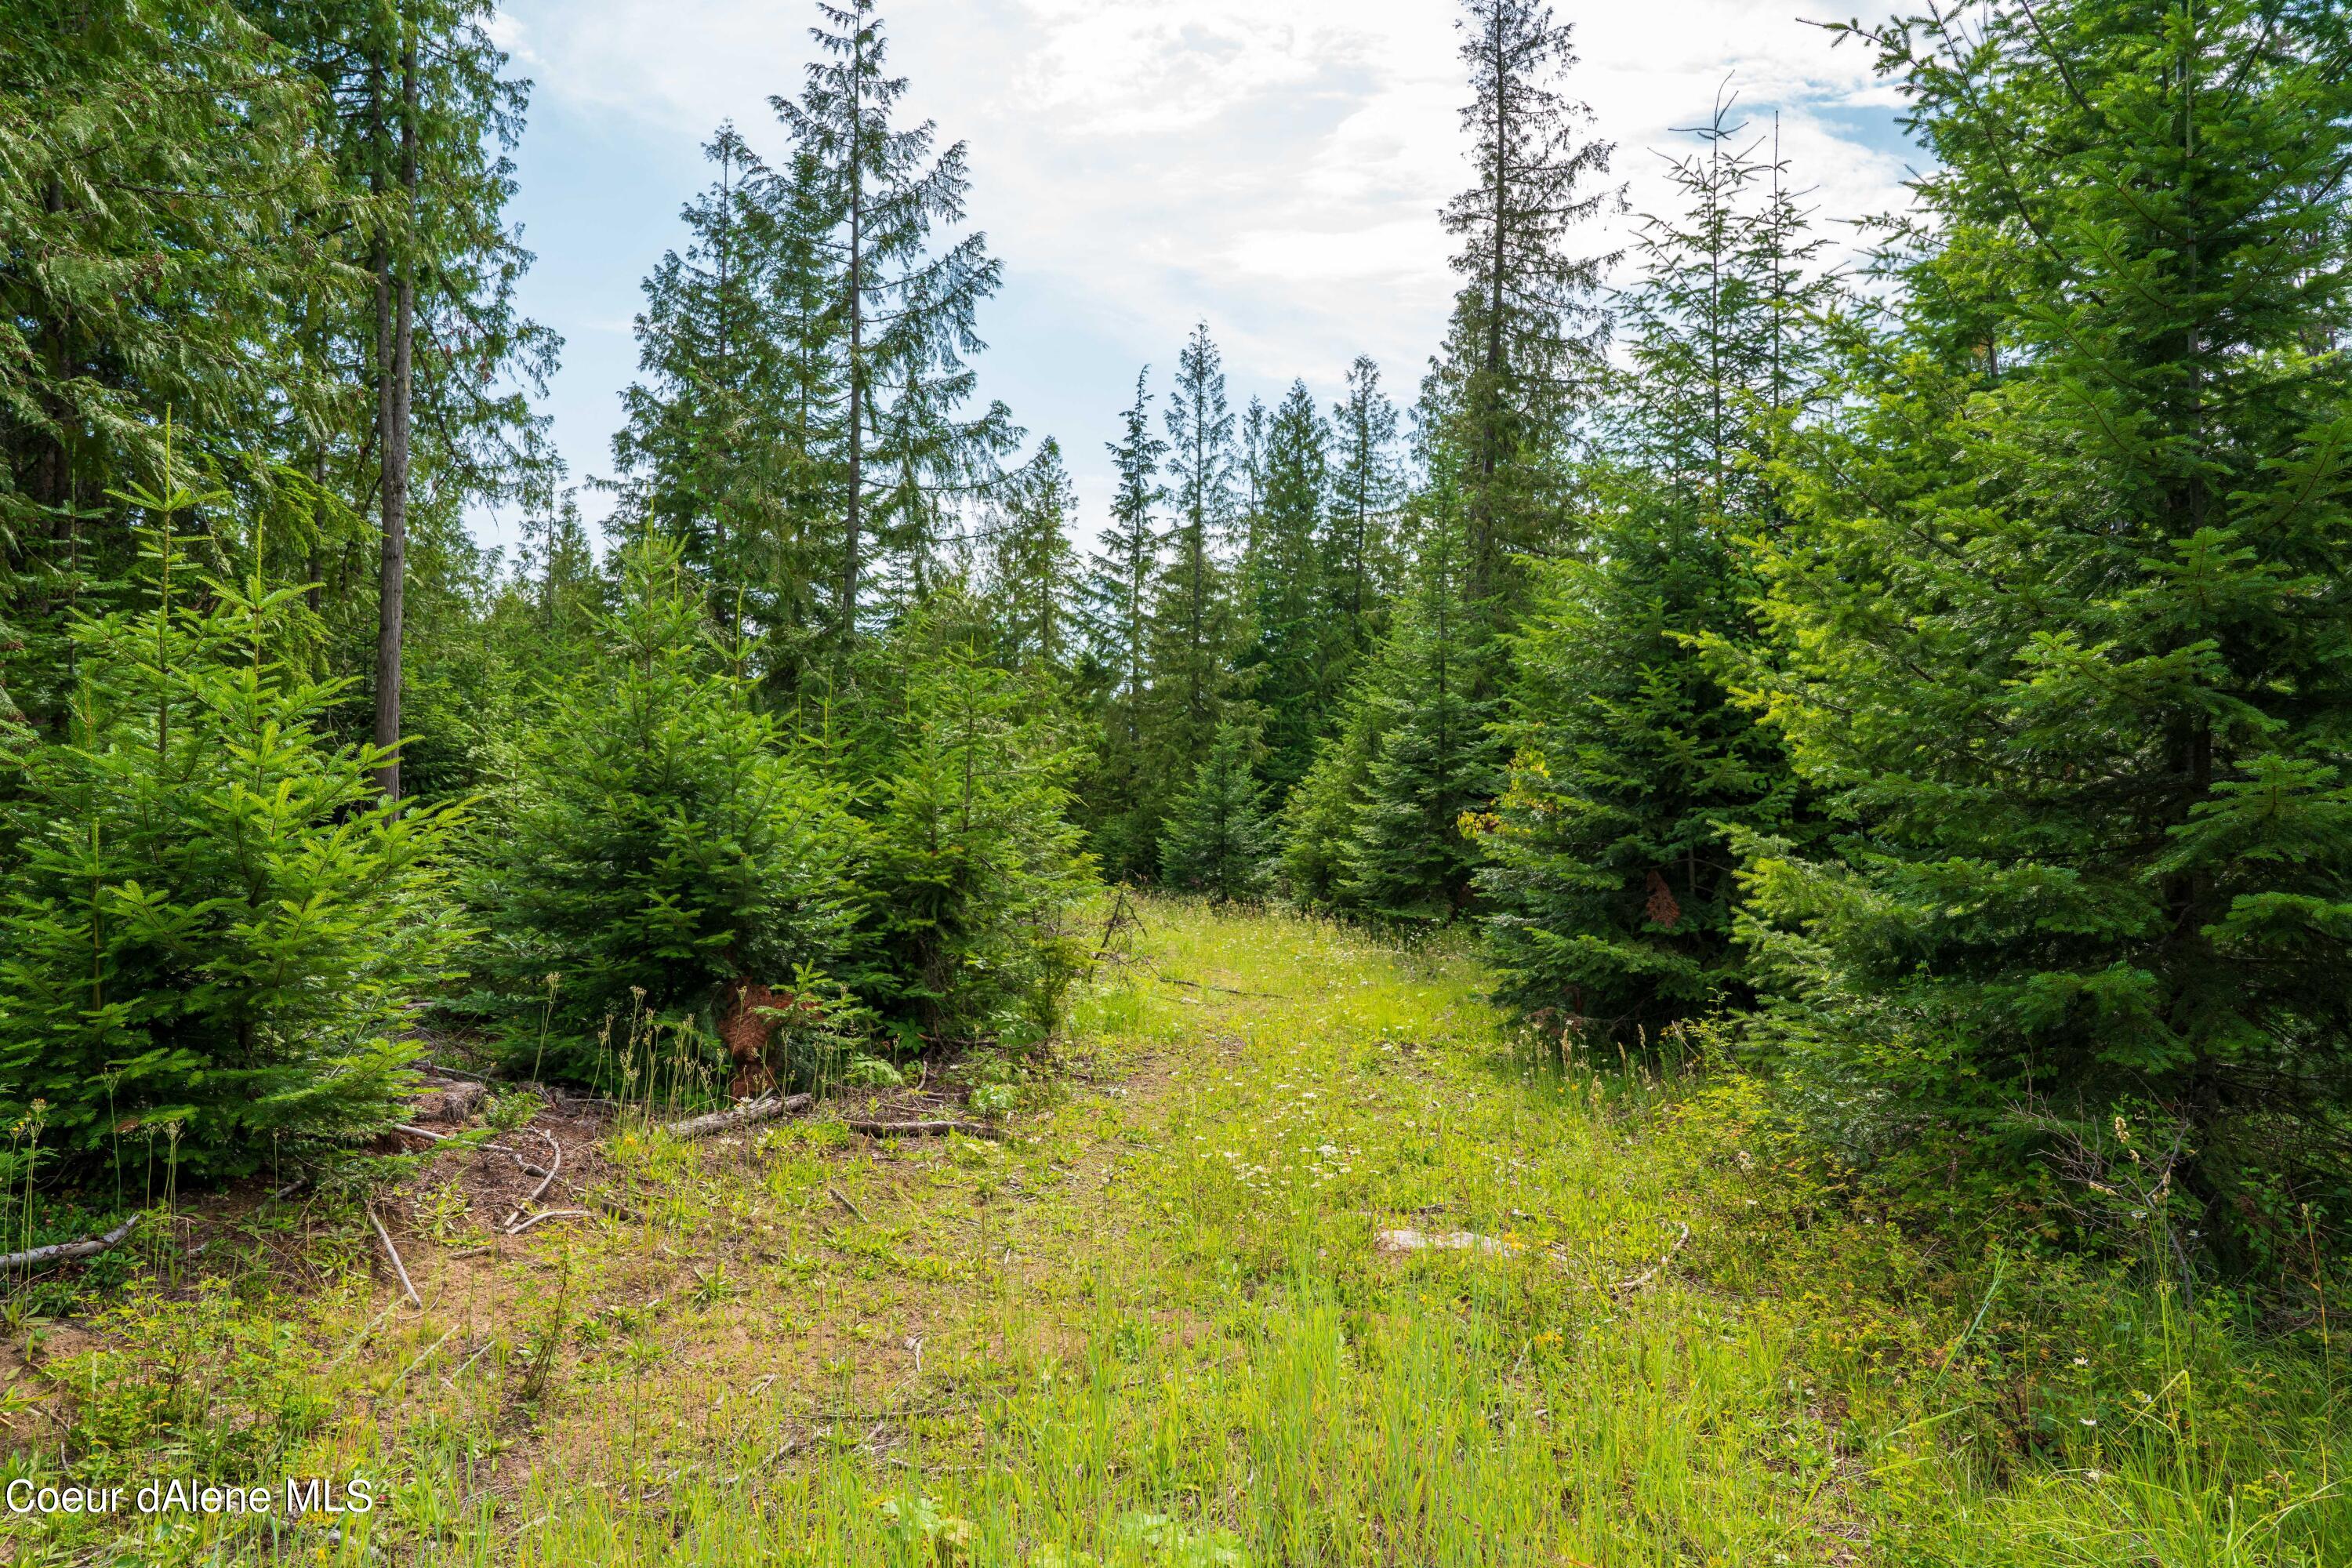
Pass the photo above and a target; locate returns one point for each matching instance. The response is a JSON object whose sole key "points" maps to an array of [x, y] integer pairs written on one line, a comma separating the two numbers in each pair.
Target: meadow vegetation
{"points": [[1150, 1323], [1725, 942]]}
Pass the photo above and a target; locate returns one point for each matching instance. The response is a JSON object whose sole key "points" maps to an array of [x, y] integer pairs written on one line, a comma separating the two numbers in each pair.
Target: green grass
{"points": [[1151, 1328]]}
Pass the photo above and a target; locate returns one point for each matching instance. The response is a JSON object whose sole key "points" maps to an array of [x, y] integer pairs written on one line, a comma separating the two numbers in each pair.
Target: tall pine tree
{"points": [[1121, 802], [1431, 762], [1524, 346], [1217, 840], [2064, 620], [706, 452], [1289, 659], [1192, 612], [158, 255], [1360, 550], [1610, 885], [422, 117], [906, 312], [1032, 567]]}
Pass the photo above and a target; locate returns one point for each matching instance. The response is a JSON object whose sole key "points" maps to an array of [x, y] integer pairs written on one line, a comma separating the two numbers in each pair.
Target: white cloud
{"points": [[1273, 165]]}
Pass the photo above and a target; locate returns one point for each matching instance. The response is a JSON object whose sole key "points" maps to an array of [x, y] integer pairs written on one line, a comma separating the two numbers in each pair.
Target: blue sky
{"points": [[1275, 169]]}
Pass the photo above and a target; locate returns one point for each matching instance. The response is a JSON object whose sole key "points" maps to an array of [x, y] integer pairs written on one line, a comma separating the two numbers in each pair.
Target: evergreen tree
{"points": [[716, 432], [1123, 795], [2063, 623], [906, 310], [1192, 632], [1318, 826], [1611, 887], [155, 258], [495, 671], [1291, 656], [1523, 346], [1433, 763], [556, 573], [1359, 548], [655, 847], [1121, 575], [1217, 840], [1033, 567], [217, 924], [1250, 472], [421, 120], [975, 865]]}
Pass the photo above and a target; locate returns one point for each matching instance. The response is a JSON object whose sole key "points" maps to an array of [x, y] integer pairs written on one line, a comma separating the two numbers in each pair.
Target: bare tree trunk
{"points": [[851, 542], [314, 595], [1488, 405], [396, 328]]}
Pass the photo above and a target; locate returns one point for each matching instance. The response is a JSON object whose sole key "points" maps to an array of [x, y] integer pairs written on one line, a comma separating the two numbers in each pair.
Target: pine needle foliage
{"points": [[1193, 635], [1218, 841], [1434, 760], [1120, 803], [2066, 626], [903, 322], [1290, 657], [217, 924], [1319, 817], [658, 842], [1035, 584], [157, 162], [1611, 888], [1526, 338], [1362, 563], [974, 866]]}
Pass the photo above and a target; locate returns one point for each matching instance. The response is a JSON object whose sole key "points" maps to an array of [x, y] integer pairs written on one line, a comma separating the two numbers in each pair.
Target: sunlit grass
{"points": [[1152, 1327]]}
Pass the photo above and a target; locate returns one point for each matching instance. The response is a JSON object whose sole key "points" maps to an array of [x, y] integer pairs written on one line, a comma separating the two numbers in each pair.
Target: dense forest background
{"points": [[1927, 682]]}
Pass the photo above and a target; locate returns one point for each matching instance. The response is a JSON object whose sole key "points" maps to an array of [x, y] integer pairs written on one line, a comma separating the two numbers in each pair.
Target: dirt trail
{"points": [[1149, 1324]]}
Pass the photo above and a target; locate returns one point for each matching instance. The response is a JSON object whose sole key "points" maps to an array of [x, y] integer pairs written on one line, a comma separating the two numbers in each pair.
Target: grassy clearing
{"points": [[1152, 1327]]}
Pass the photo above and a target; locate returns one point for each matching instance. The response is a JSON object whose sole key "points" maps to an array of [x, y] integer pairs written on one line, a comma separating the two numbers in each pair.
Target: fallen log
{"points": [[68, 1251], [767, 1108], [924, 1129]]}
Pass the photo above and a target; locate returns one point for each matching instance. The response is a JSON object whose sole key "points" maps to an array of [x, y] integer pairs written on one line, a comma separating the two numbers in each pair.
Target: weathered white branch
{"points": [[394, 1253], [68, 1251], [767, 1108]]}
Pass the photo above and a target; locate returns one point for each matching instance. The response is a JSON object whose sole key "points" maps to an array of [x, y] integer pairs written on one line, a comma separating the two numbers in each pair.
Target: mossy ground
{"points": [[1151, 1327]]}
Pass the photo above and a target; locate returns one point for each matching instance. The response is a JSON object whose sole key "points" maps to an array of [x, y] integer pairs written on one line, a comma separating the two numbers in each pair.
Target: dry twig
{"points": [[552, 1213], [1650, 1273], [394, 1253], [1227, 990], [512, 1226]]}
